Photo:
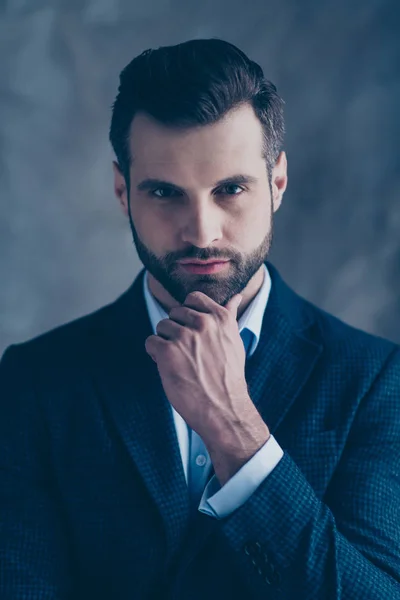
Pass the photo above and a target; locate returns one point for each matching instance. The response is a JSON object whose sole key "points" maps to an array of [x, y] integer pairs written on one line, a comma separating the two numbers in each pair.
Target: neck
{"points": [[167, 301]]}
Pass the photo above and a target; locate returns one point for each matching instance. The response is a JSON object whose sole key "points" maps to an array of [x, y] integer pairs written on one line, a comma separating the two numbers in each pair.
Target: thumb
{"points": [[234, 303]]}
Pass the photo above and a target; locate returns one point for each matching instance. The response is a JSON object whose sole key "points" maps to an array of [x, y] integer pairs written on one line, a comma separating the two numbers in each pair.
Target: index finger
{"points": [[201, 302]]}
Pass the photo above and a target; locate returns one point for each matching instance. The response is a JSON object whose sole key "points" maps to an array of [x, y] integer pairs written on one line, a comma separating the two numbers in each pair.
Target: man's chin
{"points": [[180, 291]]}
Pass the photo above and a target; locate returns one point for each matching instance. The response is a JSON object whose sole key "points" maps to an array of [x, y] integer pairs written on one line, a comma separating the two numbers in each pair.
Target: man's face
{"points": [[185, 212]]}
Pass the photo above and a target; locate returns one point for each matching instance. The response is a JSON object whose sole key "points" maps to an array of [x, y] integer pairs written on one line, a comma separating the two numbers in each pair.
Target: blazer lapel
{"points": [[285, 356], [130, 387]]}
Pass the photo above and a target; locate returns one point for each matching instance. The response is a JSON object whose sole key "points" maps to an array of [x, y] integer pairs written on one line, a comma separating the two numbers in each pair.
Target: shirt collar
{"points": [[251, 319]]}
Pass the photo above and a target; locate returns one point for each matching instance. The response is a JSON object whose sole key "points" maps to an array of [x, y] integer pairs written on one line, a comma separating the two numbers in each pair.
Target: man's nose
{"points": [[203, 226]]}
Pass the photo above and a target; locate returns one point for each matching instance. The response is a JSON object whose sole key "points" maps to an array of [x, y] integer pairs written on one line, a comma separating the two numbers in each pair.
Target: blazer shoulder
{"points": [[337, 335], [67, 342]]}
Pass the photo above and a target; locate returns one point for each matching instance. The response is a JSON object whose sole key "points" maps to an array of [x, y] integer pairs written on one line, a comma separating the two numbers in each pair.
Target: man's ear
{"points": [[279, 180], [120, 190]]}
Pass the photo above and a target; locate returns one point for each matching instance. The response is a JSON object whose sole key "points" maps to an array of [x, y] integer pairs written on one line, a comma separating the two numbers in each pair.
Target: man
{"points": [[210, 434]]}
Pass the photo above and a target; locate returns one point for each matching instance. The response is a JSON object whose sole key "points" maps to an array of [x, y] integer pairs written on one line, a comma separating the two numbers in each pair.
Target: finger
{"points": [[233, 304], [169, 329], [150, 348], [153, 345], [201, 302], [188, 317]]}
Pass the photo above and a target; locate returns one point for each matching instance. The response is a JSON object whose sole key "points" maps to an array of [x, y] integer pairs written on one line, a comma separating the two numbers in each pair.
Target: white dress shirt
{"points": [[212, 499]]}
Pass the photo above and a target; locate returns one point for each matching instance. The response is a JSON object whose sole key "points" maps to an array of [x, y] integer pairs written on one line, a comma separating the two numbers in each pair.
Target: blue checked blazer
{"points": [[93, 499]]}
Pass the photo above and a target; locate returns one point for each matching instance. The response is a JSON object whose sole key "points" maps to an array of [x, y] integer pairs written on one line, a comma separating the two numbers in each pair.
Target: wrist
{"points": [[232, 449]]}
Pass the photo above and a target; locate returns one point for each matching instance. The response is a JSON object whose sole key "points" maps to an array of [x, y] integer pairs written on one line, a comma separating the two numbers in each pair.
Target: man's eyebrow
{"points": [[240, 179]]}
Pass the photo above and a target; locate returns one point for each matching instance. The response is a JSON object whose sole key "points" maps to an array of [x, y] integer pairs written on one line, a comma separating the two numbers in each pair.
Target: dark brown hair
{"points": [[194, 83]]}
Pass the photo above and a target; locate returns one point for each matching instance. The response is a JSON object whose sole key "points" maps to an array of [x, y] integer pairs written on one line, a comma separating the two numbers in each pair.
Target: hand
{"points": [[201, 358]]}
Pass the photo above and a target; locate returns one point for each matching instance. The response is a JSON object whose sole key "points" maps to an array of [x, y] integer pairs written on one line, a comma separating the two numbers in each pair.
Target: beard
{"points": [[220, 288]]}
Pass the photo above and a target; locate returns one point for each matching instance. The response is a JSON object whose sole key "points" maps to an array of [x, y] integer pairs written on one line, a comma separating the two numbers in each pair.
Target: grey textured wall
{"points": [[65, 248]]}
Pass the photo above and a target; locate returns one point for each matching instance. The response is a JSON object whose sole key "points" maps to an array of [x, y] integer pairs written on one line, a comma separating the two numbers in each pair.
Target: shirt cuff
{"points": [[220, 502]]}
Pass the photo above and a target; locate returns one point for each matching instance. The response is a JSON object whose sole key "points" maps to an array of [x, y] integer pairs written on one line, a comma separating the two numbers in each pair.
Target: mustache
{"points": [[199, 254]]}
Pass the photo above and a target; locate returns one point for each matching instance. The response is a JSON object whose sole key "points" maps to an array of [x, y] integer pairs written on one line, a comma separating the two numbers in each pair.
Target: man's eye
{"points": [[229, 188], [166, 192]]}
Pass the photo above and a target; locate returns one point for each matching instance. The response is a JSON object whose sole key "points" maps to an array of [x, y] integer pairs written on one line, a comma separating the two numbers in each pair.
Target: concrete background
{"points": [[66, 249]]}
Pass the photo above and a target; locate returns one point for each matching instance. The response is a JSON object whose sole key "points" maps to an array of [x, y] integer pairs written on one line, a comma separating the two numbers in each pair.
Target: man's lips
{"points": [[198, 261], [203, 267]]}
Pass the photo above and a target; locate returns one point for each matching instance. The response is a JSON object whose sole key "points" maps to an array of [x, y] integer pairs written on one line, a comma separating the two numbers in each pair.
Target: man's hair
{"points": [[194, 83]]}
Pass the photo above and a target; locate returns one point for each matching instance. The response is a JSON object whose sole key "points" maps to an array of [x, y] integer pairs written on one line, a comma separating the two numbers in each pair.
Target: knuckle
{"points": [[193, 296], [224, 315], [161, 325], [149, 343], [201, 321], [180, 334]]}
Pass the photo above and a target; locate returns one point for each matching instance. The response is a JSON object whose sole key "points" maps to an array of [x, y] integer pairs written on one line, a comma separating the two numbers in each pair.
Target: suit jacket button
{"points": [[247, 549], [250, 548], [273, 576]]}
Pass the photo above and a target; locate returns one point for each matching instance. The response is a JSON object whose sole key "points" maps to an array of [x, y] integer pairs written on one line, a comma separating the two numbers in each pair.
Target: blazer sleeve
{"points": [[290, 544], [34, 557]]}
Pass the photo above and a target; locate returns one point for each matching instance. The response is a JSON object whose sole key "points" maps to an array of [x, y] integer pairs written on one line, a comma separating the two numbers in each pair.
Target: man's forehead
{"points": [[200, 166], [233, 136]]}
